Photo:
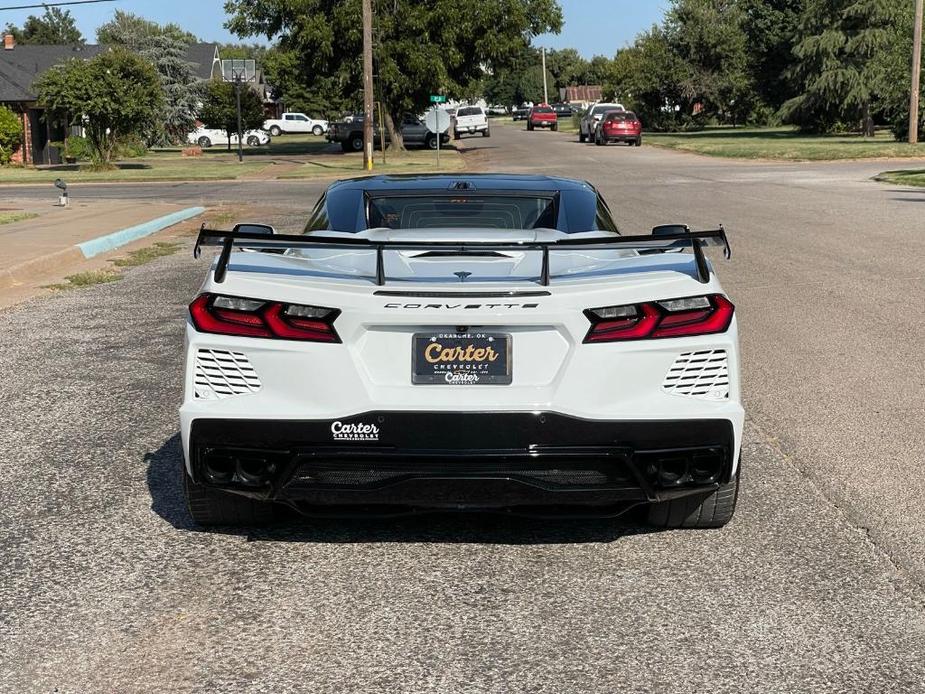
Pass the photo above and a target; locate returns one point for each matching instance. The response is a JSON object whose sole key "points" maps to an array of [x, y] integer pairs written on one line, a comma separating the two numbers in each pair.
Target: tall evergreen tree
{"points": [[836, 73], [183, 90]]}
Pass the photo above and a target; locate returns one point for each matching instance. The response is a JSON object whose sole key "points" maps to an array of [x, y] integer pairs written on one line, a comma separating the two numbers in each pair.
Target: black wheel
{"points": [[276, 131], [598, 140], [212, 507], [356, 143], [204, 141], [431, 142], [529, 126], [317, 130], [555, 127], [253, 141], [456, 135], [486, 133], [581, 136], [711, 510], [639, 141]]}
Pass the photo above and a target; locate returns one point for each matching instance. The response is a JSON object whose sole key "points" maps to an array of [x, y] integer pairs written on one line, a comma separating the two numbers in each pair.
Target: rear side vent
{"points": [[702, 374], [221, 374]]}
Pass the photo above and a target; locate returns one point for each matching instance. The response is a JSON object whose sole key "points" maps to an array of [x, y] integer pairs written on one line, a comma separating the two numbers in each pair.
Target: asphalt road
{"points": [[817, 585]]}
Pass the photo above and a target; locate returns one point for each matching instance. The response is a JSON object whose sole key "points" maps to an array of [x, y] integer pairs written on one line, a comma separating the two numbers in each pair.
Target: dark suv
{"points": [[349, 133]]}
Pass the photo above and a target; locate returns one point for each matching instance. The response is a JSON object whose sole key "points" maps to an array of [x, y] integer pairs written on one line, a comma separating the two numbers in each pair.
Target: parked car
{"points": [[562, 110], [471, 120], [619, 126], [591, 118], [521, 112], [349, 134], [295, 123], [546, 373], [497, 110], [542, 116], [206, 137]]}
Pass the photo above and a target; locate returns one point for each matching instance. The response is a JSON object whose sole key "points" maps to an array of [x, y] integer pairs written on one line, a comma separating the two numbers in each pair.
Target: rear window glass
{"points": [[463, 211], [542, 109], [597, 110], [470, 111], [621, 116]]}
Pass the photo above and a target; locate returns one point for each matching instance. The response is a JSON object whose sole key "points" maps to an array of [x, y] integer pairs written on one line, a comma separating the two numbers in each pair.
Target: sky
{"points": [[593, 27]]}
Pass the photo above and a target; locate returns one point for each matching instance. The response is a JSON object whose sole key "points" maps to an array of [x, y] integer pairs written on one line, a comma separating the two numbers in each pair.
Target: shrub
{"points": [[10, 134]]}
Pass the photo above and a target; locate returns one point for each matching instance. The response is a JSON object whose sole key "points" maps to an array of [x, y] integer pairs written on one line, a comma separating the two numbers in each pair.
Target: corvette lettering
{"points": [[453, 307], [437, 353]]}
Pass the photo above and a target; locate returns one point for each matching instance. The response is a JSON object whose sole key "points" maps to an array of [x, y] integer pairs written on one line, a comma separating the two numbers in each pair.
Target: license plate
{"points": [[470, 359]]}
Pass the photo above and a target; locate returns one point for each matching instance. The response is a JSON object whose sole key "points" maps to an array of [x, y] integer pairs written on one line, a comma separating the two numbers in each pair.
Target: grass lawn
{"points": [[282, 146], [10, 217], [156, 168], [347, 165], [784, 144], [903, 177]]}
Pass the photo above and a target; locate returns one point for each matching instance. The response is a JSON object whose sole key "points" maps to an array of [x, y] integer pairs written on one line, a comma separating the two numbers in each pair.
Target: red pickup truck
{"points": [[542, 116]]}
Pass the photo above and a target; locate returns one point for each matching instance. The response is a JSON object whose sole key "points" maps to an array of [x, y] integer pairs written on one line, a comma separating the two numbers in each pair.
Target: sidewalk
{"points": [[35, 250]]}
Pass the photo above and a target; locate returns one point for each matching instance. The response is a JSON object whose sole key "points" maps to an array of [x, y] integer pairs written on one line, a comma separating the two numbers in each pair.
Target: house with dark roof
{"points": [[582, 95], [22, 65]]}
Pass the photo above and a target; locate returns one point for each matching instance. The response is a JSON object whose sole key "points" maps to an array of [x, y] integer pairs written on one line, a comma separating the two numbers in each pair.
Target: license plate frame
{"points": [[462, 372]]}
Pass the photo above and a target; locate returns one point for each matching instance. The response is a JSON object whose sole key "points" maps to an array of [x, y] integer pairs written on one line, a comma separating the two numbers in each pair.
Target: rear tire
{"points": [[356, 143], [581, 136], [456, 135], [555, 127], [317, 130], [431, 142], [486, 133], [212, 507], [276, 131], [713, 510], [529, 126], [639, 141]]}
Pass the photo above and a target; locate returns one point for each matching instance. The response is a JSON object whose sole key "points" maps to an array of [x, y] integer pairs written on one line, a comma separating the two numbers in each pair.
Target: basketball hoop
{"points": [[239, 70]]}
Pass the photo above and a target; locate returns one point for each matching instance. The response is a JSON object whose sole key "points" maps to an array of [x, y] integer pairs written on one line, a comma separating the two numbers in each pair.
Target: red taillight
{"points": [[699, 315], [223, 315]]}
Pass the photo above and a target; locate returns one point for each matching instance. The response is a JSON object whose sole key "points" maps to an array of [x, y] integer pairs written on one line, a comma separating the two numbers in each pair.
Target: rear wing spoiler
{"points": [[695, 240]]}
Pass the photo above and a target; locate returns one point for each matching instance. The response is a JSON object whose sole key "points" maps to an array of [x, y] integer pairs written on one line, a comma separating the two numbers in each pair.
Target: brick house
{"points": [[582, 95], [22, 65]]}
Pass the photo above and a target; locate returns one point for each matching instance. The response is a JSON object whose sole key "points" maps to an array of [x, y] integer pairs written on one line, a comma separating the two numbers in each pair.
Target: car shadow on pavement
{"points": [[165, 487]]}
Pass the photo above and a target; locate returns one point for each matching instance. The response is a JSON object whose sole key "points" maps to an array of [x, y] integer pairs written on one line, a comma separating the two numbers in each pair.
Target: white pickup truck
{"points": [[471, 120], [295, 123]]}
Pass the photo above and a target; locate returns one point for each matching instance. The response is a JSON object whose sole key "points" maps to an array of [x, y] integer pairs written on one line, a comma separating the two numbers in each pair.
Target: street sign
{"points": [[437, 120], [437, 99]]}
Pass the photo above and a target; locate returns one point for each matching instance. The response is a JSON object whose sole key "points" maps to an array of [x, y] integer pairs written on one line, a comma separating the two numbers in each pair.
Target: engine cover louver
{"points": [[221, 374], [702, 374]]}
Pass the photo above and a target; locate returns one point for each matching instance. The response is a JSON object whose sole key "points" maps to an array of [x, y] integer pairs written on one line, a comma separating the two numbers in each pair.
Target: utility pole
{"points": [[368, 87], [237, 93], [545, 89], [916, 72]]}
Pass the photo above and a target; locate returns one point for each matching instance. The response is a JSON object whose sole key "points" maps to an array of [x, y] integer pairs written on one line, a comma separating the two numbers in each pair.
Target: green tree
{"points": [[114, 96], [650, 78], [770, 28], [422, 48], [182, 89], [10, 133], [505, 84], [219, 109], [567, 68], [313, 94], [708, 36], [837, 74], [54, 27], [134, 32]]}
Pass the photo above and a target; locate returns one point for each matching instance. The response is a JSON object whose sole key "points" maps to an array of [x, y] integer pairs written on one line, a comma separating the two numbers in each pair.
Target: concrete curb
{"points": [[112, 241], [20, 274]]}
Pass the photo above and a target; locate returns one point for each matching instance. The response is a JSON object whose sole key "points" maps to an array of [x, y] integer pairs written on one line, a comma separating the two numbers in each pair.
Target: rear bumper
{"points": [[409, 461], [544, 123]]}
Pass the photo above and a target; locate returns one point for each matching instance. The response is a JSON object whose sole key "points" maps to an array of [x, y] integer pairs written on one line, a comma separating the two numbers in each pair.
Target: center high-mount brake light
{"points": [[228, 315], [697, 315]]}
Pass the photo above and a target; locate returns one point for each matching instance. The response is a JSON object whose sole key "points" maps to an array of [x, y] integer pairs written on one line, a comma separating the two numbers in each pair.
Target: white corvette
{"points": [[462, 343]]}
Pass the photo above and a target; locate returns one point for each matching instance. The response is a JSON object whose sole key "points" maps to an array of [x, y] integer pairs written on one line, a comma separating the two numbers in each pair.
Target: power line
{"points": [[53, 4]]}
